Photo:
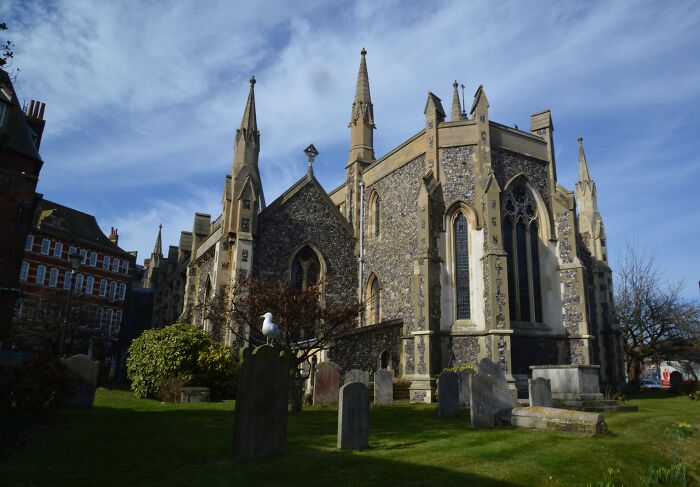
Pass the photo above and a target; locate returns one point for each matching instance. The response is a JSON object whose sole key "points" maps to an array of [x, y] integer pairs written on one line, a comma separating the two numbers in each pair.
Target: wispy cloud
{"points": [[143, 100]]}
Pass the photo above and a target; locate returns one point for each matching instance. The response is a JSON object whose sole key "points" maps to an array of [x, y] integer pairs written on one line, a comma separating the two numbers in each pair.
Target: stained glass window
{"points": [[461, 260]]}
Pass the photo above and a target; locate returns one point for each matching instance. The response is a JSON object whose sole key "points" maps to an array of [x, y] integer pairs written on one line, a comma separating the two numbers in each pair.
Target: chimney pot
{"points": [[31, 108], [41, 111]]}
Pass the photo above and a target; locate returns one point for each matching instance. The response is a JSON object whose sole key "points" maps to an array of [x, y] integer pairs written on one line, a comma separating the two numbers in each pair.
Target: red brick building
{"points": [[100, 285], [20, 163]]}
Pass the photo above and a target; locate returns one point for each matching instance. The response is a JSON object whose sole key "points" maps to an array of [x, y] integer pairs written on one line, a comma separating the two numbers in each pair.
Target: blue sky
{"points": [[143, 99]]}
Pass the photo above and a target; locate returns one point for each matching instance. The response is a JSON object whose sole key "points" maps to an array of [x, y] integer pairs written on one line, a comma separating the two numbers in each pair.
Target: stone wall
{"points": [[391, 256], [463, 350], [309, 216], [361, 348], [458, 168], [527, 351], [508, 164]]}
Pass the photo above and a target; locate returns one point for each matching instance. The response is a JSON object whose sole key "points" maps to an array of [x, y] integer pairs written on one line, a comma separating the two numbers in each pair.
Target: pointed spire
{"points": [[158, 248], [250, 123], [456, 105], [362, 105], [584, 174]]}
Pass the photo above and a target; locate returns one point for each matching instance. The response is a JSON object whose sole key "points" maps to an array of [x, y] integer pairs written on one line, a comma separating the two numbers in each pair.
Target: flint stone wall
{"points": [[391, 256], [458, 167], [361, 348], [308, 216]]}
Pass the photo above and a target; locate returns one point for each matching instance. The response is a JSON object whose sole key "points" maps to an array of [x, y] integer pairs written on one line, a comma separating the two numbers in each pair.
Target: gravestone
{"points": [[357, 375], [490, 400], [676, 382], [465, 381], [194, 394], [383, 387], [353, 417], [84, 371], [448, 394], [260, 421], [326, 383], [552, 419], [540, 392]]}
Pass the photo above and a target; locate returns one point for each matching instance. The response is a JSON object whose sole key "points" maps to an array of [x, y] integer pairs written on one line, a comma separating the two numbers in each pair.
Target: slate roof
{"points": [[75, 227]]}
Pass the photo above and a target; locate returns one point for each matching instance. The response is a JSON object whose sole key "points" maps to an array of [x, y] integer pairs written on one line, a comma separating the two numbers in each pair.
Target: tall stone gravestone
{"points": [[676, 382], [326, 383], [353, 416], [448, 394], [540, 392], [490, 399], [465, 384], [260, 421], [84, 371], [357, 375], [383, 387]]}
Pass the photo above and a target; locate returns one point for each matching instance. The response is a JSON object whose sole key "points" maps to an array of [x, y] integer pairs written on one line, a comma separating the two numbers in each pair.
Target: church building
{"points": [[460, 240]]}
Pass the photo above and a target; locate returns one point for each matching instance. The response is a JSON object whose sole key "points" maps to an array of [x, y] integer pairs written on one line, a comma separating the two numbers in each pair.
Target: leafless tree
{"points": [[309, 319], [655, 320]]}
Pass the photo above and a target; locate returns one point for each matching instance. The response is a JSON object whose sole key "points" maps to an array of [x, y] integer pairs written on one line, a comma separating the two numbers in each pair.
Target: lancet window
{"points": [[460, 243], [521, 243], [306, 269]]}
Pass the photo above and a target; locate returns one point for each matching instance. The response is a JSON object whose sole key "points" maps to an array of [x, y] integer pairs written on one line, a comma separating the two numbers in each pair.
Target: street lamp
{"points": [[74, 259]]}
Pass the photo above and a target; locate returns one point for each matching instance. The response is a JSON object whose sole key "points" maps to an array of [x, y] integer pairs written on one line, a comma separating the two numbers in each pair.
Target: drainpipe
{"points": [[362, 246]]}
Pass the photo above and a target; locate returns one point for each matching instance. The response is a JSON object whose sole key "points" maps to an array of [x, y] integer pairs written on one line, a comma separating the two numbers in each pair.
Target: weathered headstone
{"points": [[326, 383], [194, 394], [260, 421], [353, 416], [552, 419], [84, 371], [448, 394], [465, 382], [383, 387], [357, 375], [490, 400], [676, 380], [540, 392]]}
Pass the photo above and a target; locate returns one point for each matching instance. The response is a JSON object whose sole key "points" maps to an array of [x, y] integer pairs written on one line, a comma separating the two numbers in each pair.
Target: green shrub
{"points": [[162, 360], [162, 353], [217, 369], [31, 393], [674, 475]]}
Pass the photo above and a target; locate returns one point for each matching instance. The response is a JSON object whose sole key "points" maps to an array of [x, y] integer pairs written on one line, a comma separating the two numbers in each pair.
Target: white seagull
{"points": [[270, 330]]}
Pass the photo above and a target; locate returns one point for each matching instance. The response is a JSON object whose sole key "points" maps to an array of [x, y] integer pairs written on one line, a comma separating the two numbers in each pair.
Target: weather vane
{"points": [[311, 152]]}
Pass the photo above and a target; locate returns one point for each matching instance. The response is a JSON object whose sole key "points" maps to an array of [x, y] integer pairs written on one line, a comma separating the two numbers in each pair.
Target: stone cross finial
{"points": [[311, 152]]}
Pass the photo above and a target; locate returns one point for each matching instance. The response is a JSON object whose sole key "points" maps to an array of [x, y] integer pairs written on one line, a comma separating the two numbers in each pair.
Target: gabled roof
{"points": [[306, 180]]}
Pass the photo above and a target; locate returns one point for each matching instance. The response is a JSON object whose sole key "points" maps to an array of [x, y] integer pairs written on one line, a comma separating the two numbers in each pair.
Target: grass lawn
{"points": [[128, 441]]}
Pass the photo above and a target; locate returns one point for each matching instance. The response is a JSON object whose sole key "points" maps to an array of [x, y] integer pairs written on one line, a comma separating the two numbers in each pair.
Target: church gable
{"points": [[305, 216]]}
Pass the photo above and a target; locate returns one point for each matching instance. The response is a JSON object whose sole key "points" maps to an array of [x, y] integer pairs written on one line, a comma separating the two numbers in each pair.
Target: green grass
{"points": [[128, 441]]}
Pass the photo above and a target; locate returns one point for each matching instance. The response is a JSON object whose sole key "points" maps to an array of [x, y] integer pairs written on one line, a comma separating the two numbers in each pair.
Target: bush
{"points": [[218, 369], [460, 367], [162, 360], [31, 392]]}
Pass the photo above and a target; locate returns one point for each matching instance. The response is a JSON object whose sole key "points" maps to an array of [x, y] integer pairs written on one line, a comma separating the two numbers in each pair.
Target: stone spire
{"points": [[456, 105], [584, 173], [158, 248], [362, 118], [247, 145]]}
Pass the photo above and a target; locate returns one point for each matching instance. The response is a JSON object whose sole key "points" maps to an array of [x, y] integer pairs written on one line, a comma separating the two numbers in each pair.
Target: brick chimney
{"points": [[114, 236], [35, 119]]}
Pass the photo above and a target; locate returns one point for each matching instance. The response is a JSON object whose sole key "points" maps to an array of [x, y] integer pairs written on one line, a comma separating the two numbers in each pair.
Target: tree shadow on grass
{"points": [[176, 445]]}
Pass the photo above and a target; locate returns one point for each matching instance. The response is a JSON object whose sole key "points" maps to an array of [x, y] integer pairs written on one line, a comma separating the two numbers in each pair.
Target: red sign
{"points": [[665, 378]]}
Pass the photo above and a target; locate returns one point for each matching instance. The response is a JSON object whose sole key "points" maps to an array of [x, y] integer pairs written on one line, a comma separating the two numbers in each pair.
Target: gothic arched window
{"points": [[373, 301], [521, 243], [460, 244], [375, 215], [306, 269]]}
